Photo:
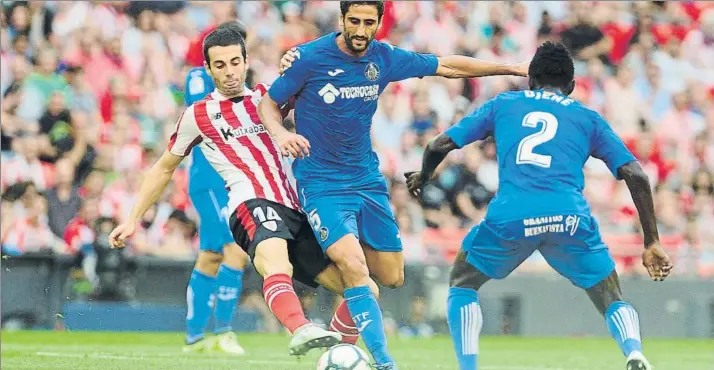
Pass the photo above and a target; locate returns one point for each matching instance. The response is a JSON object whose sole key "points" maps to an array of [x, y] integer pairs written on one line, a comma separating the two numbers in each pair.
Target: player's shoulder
{"points": [[313, 50]]}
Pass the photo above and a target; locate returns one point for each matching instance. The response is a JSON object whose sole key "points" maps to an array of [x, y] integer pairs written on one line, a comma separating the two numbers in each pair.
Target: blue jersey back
{"points": [[336, 97], [201, 175], [542, 140]]}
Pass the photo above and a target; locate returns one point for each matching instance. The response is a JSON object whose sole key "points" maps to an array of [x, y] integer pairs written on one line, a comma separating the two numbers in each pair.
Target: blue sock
{"points": [[229, 282], [367, 316], [624, 325], [465, 319], [199, 298]]}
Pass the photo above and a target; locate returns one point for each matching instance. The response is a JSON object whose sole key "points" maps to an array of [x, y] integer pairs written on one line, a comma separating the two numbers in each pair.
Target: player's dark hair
{"points": [[236, 26], [225, 35], [552, 66], [345, 6]]}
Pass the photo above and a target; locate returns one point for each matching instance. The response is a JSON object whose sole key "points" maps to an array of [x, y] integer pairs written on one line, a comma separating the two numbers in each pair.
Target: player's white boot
{"points": [[311, 336], [228, 343], [637, 361]]}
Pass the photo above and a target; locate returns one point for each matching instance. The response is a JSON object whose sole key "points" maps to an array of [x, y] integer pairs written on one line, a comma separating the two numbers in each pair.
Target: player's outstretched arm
{"points": [[654, 258], [435, 152], [459, 66], [155, 181]]}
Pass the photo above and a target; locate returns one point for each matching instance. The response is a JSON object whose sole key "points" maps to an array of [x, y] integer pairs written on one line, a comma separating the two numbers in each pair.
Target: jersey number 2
{"points": [[547, 131]]}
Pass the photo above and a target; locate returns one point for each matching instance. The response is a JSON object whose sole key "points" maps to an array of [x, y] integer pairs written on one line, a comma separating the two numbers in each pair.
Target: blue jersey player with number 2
{"points": [[217, 277], [337, 80], [543, 139]]}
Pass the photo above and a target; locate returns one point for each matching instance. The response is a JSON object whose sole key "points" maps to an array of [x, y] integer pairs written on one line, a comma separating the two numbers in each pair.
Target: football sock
{"points": [[367, 316], [199, 298], [465, 319], [280, 296], [343, 324], [624, 325], [229, 282]]}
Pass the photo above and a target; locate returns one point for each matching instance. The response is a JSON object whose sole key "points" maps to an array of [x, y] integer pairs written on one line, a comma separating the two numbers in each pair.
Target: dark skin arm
{"points": [[437, 149], [654, 258]]}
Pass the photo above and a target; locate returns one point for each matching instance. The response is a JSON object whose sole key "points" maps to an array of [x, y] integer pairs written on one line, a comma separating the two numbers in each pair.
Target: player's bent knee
{"points": [[208, 262], [347, 254], [271, 257], [393, 278], [464, 275], [234, 256]]}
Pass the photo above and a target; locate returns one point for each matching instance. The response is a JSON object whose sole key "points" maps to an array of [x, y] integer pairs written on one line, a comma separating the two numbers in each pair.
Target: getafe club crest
{"points": [[371, 72], [324, 233]]}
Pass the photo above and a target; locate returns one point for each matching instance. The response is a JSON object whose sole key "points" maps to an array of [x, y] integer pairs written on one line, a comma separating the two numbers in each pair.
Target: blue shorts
{"points": [[571, 244], [213, 229], [366, 214]]}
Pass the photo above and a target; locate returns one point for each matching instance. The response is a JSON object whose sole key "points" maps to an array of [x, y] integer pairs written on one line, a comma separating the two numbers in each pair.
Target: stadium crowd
{"points": [[91, 91]]}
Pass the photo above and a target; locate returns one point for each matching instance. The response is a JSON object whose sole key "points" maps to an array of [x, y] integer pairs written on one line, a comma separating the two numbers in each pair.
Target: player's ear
{"points": [[570, 88], [208, 68], [341, 21]]}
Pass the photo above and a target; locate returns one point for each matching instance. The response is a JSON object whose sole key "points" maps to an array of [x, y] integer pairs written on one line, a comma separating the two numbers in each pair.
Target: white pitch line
{"points": [[238, 359]]}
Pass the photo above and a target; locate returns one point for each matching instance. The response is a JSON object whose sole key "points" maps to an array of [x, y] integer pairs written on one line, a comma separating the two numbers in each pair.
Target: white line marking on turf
{"points": [[157, 356]]}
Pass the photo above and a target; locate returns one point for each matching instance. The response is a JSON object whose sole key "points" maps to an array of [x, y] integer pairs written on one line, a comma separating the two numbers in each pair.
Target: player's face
{"points": [[227, 69], [359, 26]]}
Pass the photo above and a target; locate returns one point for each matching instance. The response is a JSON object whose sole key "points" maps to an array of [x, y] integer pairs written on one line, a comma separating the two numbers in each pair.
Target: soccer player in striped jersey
{"points": [[266, 219], [217, 277]]}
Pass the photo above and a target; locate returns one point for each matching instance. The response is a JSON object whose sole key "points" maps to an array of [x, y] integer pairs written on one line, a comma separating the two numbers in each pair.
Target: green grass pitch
{"points": [[162, 351]]}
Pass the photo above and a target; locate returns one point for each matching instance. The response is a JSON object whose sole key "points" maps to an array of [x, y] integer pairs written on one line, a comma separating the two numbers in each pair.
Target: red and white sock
{"points": [[342, 323], [280, 296]]}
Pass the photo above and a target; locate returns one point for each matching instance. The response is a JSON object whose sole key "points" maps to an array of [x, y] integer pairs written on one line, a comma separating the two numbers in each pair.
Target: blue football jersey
{"points": [[336, 97], [201, 175], [542, 141]]}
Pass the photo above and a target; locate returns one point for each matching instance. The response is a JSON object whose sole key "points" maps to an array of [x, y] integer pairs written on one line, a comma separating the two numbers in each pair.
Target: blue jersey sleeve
{"points": [[198, 85], [476, 126], [292, 80], [608, 147], [408, 64]]}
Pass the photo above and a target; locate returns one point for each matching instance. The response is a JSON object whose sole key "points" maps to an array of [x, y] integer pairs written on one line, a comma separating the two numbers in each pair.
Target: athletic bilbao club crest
{"points": [[371, 72]]}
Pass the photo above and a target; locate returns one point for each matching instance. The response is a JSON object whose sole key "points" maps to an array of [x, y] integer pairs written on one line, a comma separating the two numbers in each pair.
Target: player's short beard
{"points": [[348, 41]]}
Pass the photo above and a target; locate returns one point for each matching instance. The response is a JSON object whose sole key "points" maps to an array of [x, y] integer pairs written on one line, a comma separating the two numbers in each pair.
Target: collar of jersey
{"points": [[218, 96], [342, 54]]}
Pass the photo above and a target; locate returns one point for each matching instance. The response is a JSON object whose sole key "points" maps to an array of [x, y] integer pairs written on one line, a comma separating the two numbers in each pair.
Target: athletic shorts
{"points": [[366, 214], [259, 219], [212, 208], [571, 244]]}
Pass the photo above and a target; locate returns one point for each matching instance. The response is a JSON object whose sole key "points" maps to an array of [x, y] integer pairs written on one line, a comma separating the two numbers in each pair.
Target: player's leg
{"points": [[342, 322], [199, 299], [229, 283], [379, 236], [267, 242], [334, 223], [484, 255], [200, 293], [586, 262], [229, 280]]}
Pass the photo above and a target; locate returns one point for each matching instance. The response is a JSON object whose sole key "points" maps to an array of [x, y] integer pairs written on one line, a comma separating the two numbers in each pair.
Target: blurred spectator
{"points": [[91, 89]]}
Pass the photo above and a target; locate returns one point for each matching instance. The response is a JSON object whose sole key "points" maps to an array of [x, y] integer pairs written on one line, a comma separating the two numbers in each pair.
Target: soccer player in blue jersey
{"points": [[337, 80], [217, 277], [540, 204]]}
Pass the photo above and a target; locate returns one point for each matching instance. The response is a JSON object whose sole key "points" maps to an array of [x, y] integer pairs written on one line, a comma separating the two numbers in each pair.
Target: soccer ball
{"points": [[344, 357]]}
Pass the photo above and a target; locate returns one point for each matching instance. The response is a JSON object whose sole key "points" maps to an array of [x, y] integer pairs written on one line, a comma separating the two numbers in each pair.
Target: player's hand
{"points": [[414, 183], [287, 60], [120, 234], [656, 262], [292, 144], [521, 69]]}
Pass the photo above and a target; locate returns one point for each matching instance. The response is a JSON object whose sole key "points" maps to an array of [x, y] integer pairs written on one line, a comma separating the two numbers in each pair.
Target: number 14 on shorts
{"points": [[268, 218]]}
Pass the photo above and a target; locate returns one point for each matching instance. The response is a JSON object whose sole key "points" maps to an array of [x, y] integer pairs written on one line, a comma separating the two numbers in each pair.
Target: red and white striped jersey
{"points": [[238, 146]]}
